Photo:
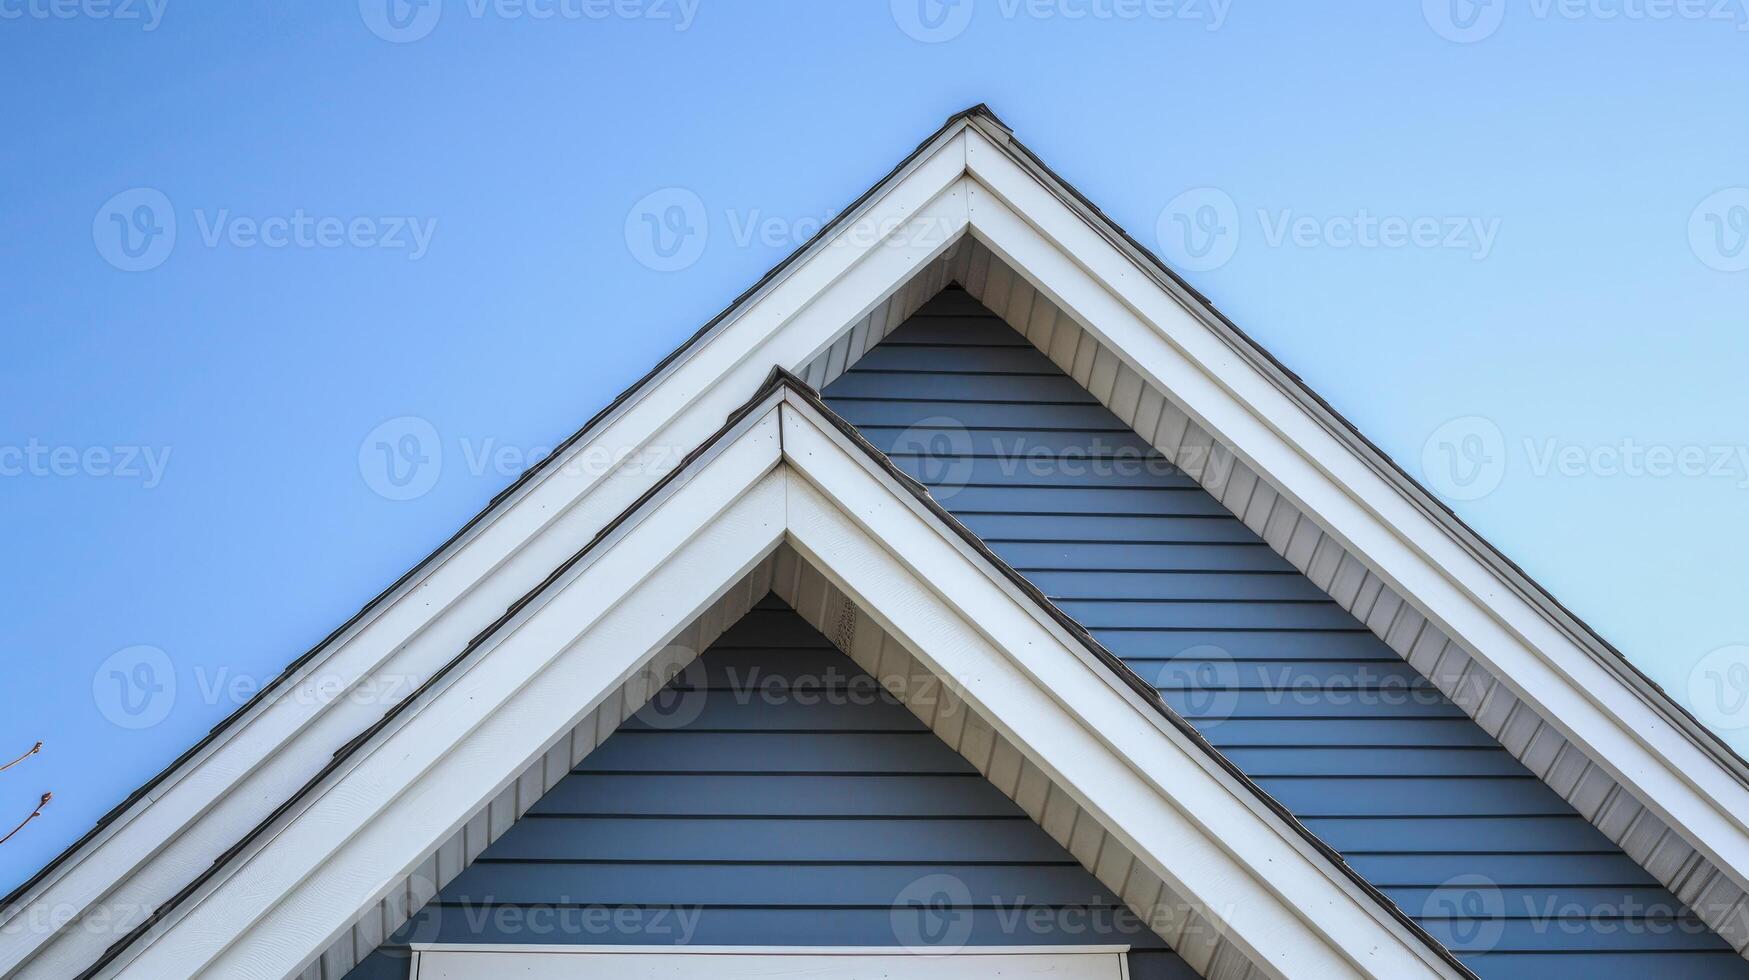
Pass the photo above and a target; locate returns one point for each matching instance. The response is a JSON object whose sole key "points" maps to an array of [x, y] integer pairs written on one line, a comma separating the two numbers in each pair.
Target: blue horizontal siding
{"points": [[1295, 691], [800, 804]]}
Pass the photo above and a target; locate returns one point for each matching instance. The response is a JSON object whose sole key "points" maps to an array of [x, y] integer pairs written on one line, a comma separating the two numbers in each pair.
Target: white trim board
{"points": [[1195, 827], [487, 962], [971, 177]]}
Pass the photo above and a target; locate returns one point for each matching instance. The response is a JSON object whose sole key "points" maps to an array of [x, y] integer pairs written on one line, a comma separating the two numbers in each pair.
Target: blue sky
{"points": [[1506, 239]]}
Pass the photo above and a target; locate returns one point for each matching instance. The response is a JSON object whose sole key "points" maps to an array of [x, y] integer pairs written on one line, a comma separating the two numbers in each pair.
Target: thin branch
{"points": [[33, 815], [38, 747]]}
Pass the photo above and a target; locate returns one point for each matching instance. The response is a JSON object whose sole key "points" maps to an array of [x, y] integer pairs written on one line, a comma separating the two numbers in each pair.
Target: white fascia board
{"points": [[933, 953], [1183, 349], [263, 756], [1272, 893], [341, 848], [531, 962]]}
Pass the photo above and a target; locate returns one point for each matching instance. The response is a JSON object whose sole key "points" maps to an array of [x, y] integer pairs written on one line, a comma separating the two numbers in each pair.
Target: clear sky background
{"points": [[188, 482]]}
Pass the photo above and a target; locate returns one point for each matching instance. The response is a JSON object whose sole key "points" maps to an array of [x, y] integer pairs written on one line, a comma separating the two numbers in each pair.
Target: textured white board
{"points": [[728, 964]]}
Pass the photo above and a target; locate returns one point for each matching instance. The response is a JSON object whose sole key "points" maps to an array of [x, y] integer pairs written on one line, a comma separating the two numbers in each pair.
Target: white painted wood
{"points": [[735, 963]]}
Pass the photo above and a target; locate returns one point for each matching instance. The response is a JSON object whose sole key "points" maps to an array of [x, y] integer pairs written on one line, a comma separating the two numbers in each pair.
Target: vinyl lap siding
{"points": [[1329, 720], [774, 795]]}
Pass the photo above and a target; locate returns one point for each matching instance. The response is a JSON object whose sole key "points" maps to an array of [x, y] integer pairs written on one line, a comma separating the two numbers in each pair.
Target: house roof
{"points": [[981, 120], [1391, 942], [278, 683], [1684, 718]]}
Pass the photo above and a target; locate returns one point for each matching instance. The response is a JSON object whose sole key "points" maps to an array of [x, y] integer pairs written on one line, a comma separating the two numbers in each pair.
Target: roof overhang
{"points": [[970, 178], [783, 471]]}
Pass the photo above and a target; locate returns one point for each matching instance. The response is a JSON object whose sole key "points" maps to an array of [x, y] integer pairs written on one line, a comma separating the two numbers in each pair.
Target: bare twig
{"points": [[38, 747], [33, 815]]}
